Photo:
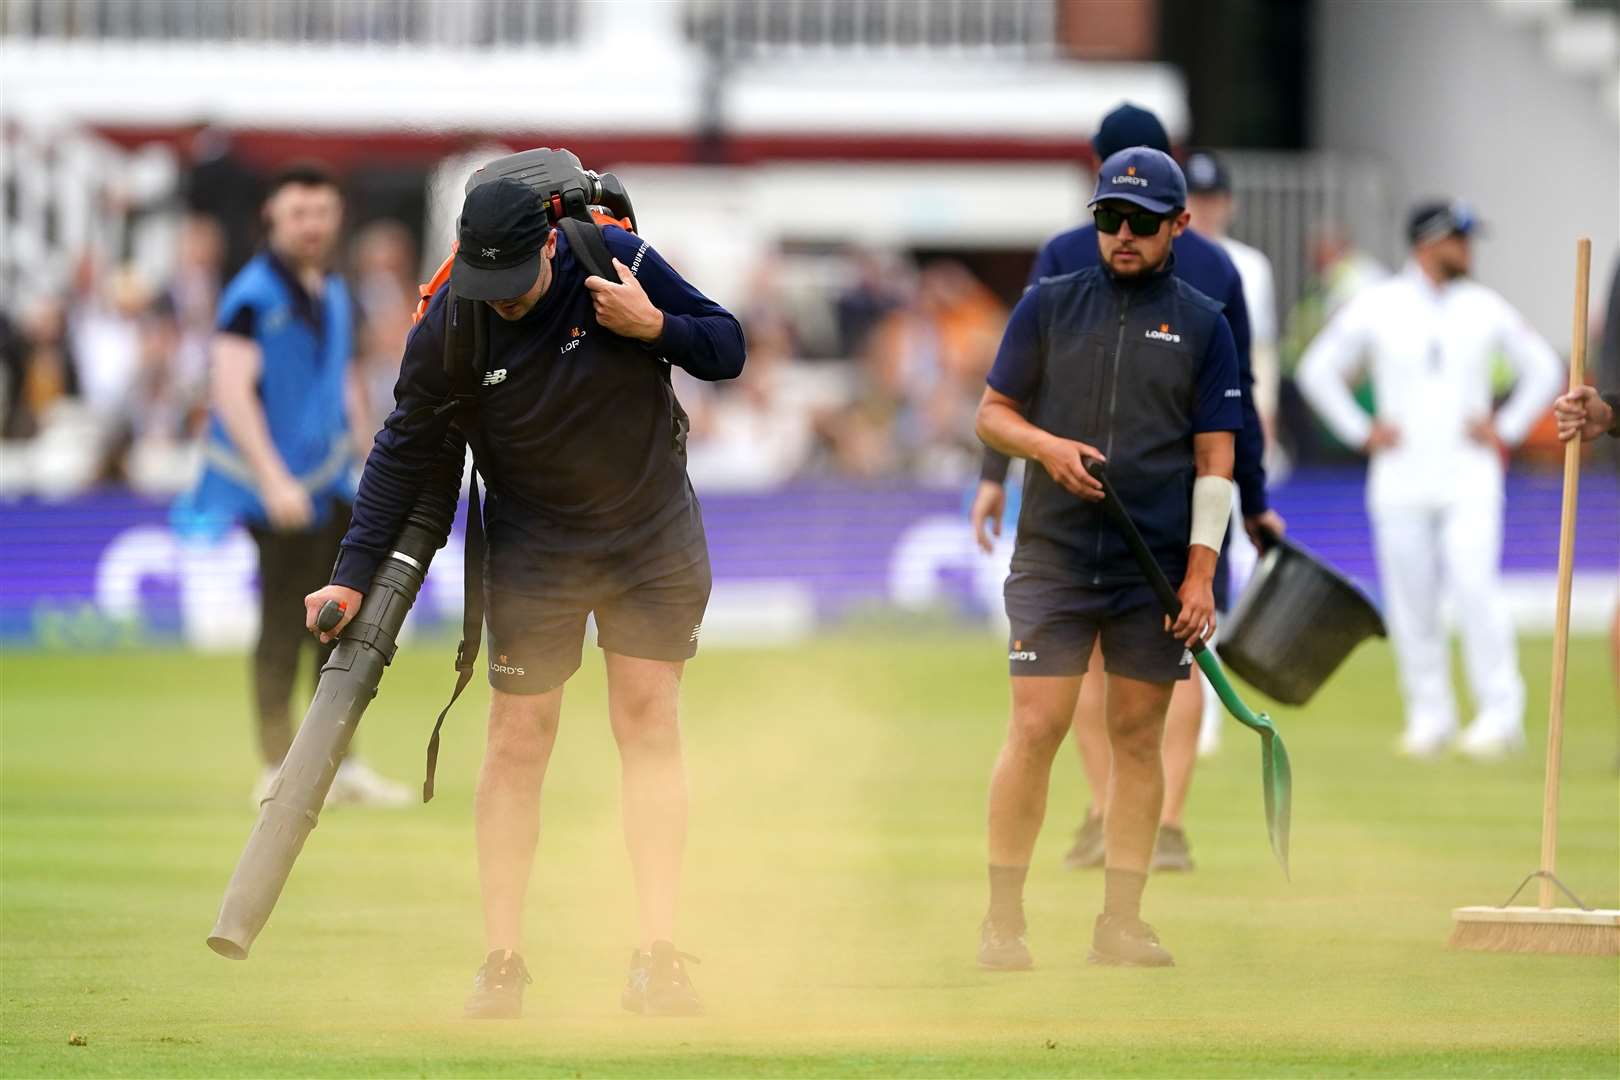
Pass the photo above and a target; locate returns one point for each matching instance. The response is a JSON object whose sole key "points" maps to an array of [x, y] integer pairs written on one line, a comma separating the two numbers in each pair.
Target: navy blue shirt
{"points": [[1136, 367], [1202, 264], [585, 441]]}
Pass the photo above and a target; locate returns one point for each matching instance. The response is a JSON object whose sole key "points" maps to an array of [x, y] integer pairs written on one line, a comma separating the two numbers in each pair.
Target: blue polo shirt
{"points": [[306, 342]]}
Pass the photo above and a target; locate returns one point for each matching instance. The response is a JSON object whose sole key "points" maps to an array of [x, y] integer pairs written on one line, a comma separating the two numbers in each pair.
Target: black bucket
{"points": [[1295, 623]]}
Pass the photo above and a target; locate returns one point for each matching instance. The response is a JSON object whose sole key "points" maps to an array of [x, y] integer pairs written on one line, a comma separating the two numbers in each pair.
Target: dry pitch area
{"points": [[835, 883]]}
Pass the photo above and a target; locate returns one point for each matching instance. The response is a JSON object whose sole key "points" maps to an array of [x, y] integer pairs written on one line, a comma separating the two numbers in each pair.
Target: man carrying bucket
{"points": [[1121, 361]]}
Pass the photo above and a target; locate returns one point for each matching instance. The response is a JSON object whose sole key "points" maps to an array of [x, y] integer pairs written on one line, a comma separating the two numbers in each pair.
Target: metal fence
{"points": [[752, 28], [1284, 200], [441, 23]]}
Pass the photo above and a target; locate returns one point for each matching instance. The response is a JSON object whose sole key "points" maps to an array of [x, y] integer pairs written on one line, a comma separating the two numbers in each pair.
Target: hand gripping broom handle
{"points": [[1566, 571]]}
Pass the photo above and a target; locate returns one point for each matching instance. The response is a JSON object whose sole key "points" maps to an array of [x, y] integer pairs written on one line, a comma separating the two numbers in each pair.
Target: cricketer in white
{"points": [[1434, 486]]}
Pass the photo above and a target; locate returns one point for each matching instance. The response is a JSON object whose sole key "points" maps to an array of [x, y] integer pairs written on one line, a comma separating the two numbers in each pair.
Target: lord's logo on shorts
{"points": [[500, 667], [1018, 652]]}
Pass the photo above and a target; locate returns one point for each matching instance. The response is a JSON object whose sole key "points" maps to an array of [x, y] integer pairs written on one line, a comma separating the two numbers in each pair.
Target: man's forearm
{"points": [[243, 420], [1004, 430]]}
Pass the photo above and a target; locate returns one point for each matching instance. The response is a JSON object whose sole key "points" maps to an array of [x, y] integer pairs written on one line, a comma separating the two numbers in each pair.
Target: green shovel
{"points": [[1276, 777]]}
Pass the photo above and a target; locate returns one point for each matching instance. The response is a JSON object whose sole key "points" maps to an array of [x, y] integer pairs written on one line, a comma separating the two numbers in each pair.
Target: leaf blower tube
{"points": [[348, 682]]}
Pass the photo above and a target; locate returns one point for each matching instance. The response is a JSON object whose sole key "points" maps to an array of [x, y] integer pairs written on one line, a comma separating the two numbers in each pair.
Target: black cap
{"points": [[1128, 126], [1206, 173], [1435, 220], [503, 227]]}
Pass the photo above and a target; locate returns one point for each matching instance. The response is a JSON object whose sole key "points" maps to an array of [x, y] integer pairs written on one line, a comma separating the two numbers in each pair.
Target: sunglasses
{"points": [[1143, 222]]}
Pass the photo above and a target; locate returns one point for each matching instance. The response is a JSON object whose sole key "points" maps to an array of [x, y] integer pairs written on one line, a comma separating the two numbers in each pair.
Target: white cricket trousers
{"points": [[1426, 556]]}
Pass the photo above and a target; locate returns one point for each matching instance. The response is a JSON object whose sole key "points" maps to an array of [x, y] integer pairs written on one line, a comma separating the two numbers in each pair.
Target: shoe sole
{"points": [[1171, 866], [1095, 957], [484, 1014], [1006, 967]]}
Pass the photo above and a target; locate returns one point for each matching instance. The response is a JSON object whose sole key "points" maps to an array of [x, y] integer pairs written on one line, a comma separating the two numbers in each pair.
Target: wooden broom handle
{"points": [[1566, 571]]}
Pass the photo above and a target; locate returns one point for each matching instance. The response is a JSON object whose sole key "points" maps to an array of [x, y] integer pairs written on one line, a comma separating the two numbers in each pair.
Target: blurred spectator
{"points": [[219, 187], [39, 368], [753, 432], [876, 291], [193, 294], [921, 373], [384, 260], [106, 338], [154, 442], [1339, 270]]}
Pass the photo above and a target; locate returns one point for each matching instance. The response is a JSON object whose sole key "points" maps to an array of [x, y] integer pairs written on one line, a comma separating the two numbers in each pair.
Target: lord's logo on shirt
{"points": [[575, 336], [1163, 334]]}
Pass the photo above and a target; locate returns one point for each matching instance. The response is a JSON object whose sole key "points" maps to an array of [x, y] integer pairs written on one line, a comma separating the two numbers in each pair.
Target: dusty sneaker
{"points": [[1170, 851], [498, 988], [1003, 946], [1088, 851], [1125, 942], [658, 985]]}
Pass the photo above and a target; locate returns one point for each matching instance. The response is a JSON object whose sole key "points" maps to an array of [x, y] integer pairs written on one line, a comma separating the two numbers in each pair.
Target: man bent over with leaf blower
{"points": [[1126, 363], [583, 448]]}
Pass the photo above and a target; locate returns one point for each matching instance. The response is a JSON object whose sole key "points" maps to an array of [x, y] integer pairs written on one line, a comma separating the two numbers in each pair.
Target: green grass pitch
{"points": [[835, 879]]}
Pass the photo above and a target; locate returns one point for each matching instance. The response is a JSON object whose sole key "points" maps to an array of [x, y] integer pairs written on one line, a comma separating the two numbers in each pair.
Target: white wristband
{"points": [[1211, 509]]}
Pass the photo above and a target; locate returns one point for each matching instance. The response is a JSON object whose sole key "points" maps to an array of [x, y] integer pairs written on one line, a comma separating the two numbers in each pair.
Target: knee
{"points": [[645, 720], [1036, 732], [520, 739], [1136, 735]]}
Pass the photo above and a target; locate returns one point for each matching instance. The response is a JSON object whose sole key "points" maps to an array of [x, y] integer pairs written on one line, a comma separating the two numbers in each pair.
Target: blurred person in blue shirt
{"points": [[278, 453]]}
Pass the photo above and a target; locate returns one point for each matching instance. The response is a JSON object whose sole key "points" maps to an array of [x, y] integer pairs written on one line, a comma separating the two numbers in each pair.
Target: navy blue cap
{"points": [[503, 227], [1206, 173], [1149, 178], [1436, 219], [1127, 126]]}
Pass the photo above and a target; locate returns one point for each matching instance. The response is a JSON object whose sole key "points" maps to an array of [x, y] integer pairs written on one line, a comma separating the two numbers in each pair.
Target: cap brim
{"points": [[1158, 206], [489, 283]]}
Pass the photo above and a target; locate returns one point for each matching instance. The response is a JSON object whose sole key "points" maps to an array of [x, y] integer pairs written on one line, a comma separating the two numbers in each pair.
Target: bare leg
{"points": [[522, 731], [1136, 791], [1091, 734], [642, 702], [1181, 728], [1043, 707]]}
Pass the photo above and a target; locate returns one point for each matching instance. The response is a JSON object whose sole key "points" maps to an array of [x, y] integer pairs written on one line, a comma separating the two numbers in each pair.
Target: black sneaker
{"points": [[498, 988], [1002, 946], [1088, 851], [1170, 852], [658, 984], [1125, 942]]}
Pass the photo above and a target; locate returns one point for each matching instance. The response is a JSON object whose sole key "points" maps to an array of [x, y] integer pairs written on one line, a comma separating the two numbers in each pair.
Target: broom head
{"points": [[1578, 931]]}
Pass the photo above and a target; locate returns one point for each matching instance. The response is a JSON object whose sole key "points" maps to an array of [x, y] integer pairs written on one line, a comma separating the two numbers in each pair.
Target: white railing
{"points": [[753, 28], [421, 23]]}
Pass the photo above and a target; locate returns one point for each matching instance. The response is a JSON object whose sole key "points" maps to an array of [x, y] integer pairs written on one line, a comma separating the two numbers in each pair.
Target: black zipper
{"points": [[1108, 432]]}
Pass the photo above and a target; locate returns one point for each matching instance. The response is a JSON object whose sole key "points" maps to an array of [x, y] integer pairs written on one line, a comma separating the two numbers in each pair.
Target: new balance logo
{"points": [[1186, 658], [696, 630], [496, 376], [1234, 392]]}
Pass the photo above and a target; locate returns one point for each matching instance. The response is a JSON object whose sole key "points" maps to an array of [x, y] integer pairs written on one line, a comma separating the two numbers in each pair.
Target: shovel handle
{"points": [[1139, 550]]}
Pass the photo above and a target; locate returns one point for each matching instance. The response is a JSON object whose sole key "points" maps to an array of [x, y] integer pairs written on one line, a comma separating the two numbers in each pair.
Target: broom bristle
{"points": [[1533, 937]]}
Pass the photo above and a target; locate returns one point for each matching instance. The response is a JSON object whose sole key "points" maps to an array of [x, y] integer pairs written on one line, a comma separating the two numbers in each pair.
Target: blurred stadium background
{"points": [[864, 181]]}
